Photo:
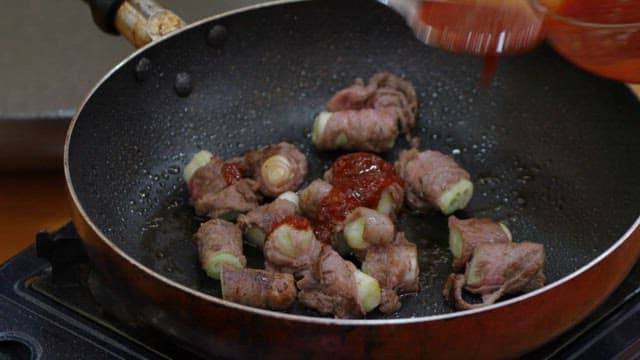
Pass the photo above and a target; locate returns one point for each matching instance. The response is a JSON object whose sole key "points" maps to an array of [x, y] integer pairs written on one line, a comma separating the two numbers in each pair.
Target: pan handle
{"points": [[139, 21]]}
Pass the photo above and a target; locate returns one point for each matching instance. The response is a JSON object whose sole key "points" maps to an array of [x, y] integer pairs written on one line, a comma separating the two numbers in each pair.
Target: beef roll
{"points": [[465, 235], [367, 117], [395, 266], [258, 288], [433, 179], [217, 187], [362, 130], [219, 243], [291, 246], [365, 227], [335, 286], [311, 196], [258, 223], [496, 270], [231, 201], [384, 90], [277, 168]]}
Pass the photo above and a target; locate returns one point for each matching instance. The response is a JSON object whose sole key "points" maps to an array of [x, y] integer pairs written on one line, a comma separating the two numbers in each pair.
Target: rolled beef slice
{"points": [[433, 179], [465, 235], [258, 288], [384, 90], [219, 242], [291, 250], [207, 179], [496, 270], [395, 92], [330, 287], [373, 130], [311, 196], [396, 267], [277, 168], [240, 197], [259, 222]]}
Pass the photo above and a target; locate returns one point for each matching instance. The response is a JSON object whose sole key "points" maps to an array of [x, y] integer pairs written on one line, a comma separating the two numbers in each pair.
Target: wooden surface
{"points": [[38, 201], [30, 202]]}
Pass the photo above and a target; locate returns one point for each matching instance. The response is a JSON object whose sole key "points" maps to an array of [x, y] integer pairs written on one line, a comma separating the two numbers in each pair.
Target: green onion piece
{"points": [[506, 230], [354, 234], [369, 293], [216, 261], [255, 237], [319, 124], [291, 197], [341, 140], [290, 241], [385, 204], [230, 216], [456, 197], [456, 242], [276, 170], [198, 160]]}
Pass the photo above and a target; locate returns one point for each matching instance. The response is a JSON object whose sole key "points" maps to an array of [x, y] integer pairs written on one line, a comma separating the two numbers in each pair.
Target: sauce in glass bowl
{"points": [[600, 36]]}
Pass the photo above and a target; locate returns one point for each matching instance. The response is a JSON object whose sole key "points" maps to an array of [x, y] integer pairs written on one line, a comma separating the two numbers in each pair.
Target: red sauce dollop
{"points": [[358, 179], [232, 172]]}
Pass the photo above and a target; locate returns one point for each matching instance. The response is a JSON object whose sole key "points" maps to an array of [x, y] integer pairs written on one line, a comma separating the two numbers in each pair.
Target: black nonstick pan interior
{"points": [[552, 150]]}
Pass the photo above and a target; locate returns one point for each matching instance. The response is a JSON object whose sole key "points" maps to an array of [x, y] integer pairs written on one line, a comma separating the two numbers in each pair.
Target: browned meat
{"points": [[258, 288], [207, 179], [465, 235], [396, 267], [291, 247], [237, 198], [277, 168], [355, 97], [384, 91], [219, 242], [311, 196], [330, 287], [394, 92], [434, 179], [258, 223], [496, 270], [373, 130], [365, 227]]}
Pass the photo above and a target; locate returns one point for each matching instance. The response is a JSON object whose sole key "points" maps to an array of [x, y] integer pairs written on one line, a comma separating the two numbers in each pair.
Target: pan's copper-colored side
{"points": [[502, 331]]}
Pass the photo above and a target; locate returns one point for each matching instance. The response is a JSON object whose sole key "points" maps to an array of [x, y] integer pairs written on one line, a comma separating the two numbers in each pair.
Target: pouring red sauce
{"points": [[358, 179], [483, 29]]}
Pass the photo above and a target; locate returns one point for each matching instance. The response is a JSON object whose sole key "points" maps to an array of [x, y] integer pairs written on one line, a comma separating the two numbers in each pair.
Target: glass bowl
{"points": [[600, 36]]}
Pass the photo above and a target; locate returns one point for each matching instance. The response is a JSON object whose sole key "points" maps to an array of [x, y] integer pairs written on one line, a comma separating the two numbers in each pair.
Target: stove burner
{"points": [[52, 304]]}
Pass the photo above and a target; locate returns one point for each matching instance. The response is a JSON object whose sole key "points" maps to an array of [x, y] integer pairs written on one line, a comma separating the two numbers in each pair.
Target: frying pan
{"points": [[552, 152]]}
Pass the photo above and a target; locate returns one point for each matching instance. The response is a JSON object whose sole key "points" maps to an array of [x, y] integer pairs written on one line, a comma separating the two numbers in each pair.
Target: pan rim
{"points": [[271, 313]]}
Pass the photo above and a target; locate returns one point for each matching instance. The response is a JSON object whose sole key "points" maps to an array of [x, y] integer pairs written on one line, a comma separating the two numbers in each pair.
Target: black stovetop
{"points": [[48, 309]]}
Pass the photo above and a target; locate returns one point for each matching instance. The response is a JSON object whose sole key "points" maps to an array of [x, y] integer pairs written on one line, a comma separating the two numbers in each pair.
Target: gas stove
{"points": [[52, 306]]}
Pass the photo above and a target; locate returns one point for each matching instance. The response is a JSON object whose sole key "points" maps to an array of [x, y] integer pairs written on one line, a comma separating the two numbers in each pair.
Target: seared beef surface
{"points": [[496, 270], [474, 232], [427, 175], [258, 288], [383, 91], [266, 216]]}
